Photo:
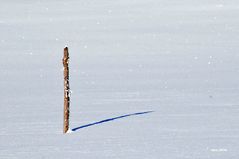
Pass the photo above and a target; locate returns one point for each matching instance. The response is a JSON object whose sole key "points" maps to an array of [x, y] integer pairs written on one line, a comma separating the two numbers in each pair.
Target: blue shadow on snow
{"points": [[110, 119]]}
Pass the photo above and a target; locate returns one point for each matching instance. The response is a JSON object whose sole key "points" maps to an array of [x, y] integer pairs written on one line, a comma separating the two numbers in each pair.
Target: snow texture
{"points": [[178, 59]]}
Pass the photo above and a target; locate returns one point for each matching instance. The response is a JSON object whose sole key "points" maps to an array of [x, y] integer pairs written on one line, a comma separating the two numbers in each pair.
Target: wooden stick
{"points": [[65, 61]]}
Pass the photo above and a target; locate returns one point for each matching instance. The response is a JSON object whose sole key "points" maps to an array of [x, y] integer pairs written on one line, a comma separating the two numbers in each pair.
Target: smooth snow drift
{"points": [[176, 58]]}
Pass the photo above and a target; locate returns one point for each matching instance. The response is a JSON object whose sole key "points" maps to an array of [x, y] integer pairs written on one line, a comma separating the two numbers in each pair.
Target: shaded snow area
{"points": [[150, 79]]}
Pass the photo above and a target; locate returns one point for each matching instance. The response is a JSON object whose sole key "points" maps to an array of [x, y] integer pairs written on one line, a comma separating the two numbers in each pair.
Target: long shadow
{"points": [[110, 119]]}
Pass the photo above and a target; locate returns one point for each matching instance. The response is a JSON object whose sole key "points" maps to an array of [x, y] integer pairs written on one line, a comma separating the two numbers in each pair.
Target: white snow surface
{"points": [[179, 59]]}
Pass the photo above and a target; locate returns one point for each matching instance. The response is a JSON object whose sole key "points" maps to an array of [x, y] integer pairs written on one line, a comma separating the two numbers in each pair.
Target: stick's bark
{"points": [[66, 90]]}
